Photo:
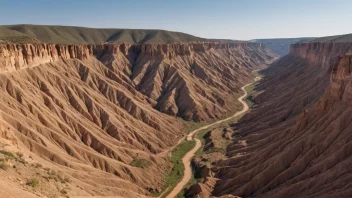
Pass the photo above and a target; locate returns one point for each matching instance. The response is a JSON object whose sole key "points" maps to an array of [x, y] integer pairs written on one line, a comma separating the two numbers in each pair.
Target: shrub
{"points": [[22, 160], [67, 179], [4, 165], [140, 163], [33, 182], [19, 154], [60, 178], [63, 191], [8, 153], [52, 172], [37, 165]]}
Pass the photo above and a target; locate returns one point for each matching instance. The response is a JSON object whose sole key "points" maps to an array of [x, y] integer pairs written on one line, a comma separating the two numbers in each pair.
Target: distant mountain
{"points": [[83, 35], [336, 38], [280, 46]]}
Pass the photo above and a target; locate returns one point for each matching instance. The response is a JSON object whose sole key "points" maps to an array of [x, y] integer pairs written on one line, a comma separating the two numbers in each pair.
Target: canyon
{"points": [[90, 112], [97, 115], [281, 46], [295, 142]]}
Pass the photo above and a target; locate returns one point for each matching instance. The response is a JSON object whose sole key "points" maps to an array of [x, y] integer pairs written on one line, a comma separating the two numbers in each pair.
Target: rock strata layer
{"points": [[101, 113], [193, 80], [298, 136]]}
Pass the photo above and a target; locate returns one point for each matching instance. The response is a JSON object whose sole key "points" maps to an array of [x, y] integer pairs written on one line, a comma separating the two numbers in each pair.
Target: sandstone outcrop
{"points": [[297, 137], [193, 80], [91, 111]]}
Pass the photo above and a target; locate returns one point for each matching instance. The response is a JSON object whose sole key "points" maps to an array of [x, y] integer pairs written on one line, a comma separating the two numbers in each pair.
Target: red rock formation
{"points": [[91, 110], [197, 90], [298, 136], [320, 54], [21, 56]]}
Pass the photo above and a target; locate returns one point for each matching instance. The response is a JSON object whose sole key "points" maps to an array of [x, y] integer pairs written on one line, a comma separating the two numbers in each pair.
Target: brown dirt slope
{"points": [[298, 136], [94, 111], [195, 81]]}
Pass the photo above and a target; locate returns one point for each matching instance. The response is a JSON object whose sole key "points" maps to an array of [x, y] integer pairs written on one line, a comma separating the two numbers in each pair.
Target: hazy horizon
{"points": [[240, 20]]}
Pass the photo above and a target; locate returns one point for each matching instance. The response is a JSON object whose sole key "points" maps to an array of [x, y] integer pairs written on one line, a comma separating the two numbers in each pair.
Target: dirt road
{"points": [[186, 160]]}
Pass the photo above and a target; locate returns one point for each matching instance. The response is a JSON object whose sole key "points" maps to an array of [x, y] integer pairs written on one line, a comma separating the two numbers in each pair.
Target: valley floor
{"points": [[186, 160]]}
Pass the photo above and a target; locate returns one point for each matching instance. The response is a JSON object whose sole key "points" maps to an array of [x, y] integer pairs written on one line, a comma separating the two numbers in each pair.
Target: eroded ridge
{"points": [[103, 112]]}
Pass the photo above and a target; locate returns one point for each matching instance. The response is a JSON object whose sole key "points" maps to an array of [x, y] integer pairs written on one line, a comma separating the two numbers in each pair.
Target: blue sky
{"points": [[231, 19]]}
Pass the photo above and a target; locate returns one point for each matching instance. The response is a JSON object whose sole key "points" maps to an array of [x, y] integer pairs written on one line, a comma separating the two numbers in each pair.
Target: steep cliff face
{"points": [[193, 80], [320, 54], [95, 111], [21, 56], [340, 83], [197, 82], [81, 116], [297, 137]]}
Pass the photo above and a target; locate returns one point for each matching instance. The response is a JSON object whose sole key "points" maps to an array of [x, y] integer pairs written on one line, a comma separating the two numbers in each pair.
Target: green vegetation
{"points": [[176, 173], [18, 156], [4, 162], [140, 163], [33, 182], [250, 92], [202, 137], [202, 134], [21, 160], [216, 149], [8, 153], [195, 125], [249, 99], [174, 177], [192, 181], [57, 176]]}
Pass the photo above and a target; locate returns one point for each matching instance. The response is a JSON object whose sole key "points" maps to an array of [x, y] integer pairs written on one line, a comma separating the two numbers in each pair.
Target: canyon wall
{"points": [[320, 54], [20, 56], [297, 136], [218, 67], [95, 111]]}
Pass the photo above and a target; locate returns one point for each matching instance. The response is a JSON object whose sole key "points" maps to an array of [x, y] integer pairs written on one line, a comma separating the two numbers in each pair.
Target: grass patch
{"points": [[191, 125], [250, 92], [57, 176], [192, 181], [140, 163], [7, 153], [176, 173], [249, 99], [33, 182], [201, 135], [37, 165], [216, 149]]}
